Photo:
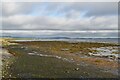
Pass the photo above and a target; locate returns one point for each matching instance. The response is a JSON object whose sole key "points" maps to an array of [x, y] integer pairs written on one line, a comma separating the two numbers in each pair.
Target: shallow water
{"points": [[106, 51], [102, 40]]}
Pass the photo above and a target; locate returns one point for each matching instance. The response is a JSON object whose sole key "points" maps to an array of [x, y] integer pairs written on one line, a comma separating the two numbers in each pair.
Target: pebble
{"points": [[67, 72], [9, 75], [77, 69]]}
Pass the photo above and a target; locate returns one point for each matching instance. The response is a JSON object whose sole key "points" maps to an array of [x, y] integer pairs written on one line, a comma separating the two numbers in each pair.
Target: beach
{"points": [[69, 39], [60, 59]]}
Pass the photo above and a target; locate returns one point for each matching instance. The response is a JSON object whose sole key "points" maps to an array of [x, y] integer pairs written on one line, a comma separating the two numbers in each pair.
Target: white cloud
{"points": [[71, 18], [45, 22], [59, 0], [58, 31], [14, 8], [91, 8]]}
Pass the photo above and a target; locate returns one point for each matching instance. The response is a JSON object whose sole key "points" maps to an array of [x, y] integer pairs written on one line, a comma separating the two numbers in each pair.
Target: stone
{"points": [[76, 69], [64, 49]]}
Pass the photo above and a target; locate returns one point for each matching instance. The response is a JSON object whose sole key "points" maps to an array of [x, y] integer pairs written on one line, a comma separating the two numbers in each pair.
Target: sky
{"points": [[61, 19]]}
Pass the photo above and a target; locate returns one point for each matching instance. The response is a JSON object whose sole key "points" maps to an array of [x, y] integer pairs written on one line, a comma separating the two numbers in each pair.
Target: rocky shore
{"points": [[60, 59]]}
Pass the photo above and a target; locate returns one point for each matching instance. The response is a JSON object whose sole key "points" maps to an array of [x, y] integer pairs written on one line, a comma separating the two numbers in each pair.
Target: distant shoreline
{"points": [[69, 40]]}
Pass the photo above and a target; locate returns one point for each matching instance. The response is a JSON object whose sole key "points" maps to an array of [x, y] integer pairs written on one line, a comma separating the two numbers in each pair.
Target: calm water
{"points": [[104, 40], [109, 40]]}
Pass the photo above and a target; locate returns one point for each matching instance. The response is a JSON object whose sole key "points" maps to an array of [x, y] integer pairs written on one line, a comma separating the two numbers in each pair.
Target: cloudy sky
{"points": [[63, 19]]}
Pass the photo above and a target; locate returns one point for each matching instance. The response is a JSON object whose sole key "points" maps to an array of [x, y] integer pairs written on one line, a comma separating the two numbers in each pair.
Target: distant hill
{"points": [[40, 37]]}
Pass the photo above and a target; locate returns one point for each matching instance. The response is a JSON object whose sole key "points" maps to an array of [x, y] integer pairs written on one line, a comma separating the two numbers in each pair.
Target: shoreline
{"points": [[67, 40], [63, 52]]}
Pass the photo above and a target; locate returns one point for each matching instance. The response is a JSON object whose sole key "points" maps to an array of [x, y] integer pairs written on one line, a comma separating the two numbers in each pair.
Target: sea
{"points": [[99, 40]]}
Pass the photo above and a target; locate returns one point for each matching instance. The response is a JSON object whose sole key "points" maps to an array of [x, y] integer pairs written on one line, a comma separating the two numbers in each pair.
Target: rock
{"points": [[22, 47], [94, 52], [67, 72], [3, 60], [34, 52], [64, 49], [90, 54], [76, 69], [111, 57], [104, 56], [76, 53], [73, 45], [10, 75], [97, 55], [118, 57], [31, 53]]}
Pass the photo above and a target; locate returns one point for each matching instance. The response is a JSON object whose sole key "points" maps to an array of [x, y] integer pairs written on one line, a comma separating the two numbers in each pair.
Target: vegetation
{"points": [[6, 41], [57, 47], [24, 65]]}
